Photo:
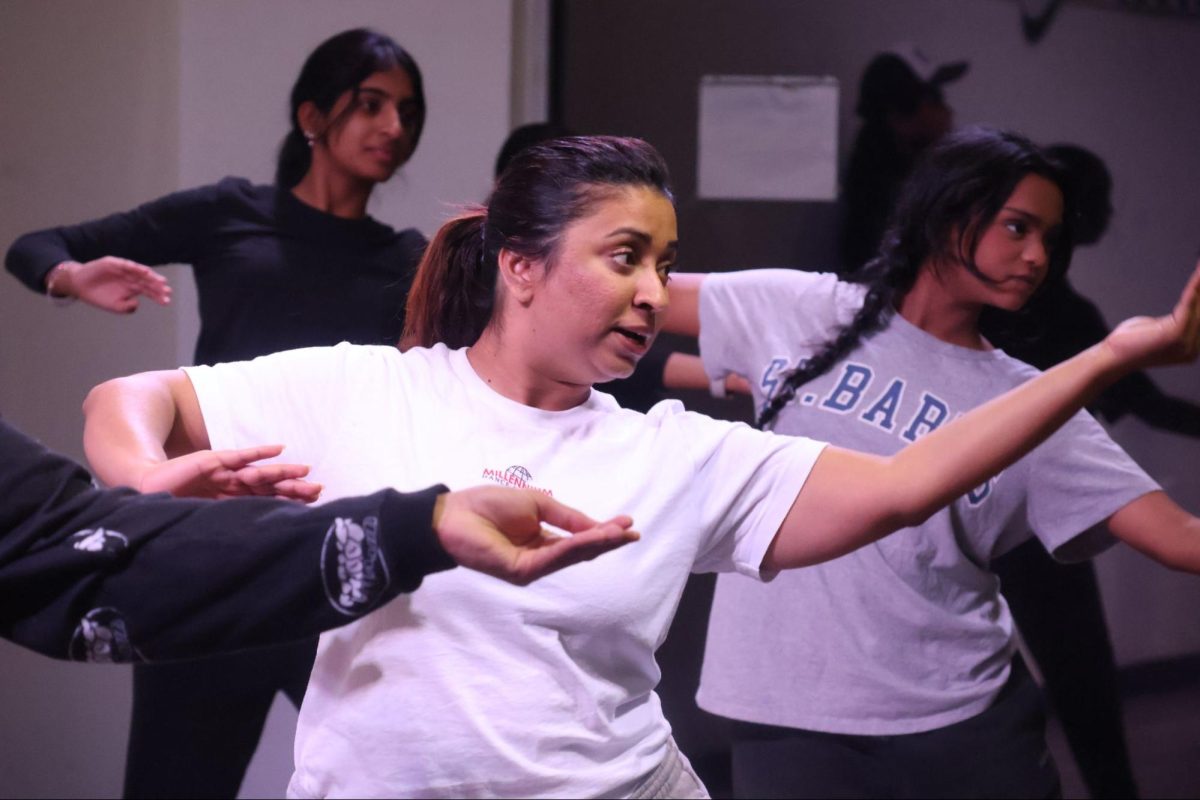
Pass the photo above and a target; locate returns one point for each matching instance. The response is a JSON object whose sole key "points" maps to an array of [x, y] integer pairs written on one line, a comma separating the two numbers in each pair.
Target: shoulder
{"points": [[808, 304]]}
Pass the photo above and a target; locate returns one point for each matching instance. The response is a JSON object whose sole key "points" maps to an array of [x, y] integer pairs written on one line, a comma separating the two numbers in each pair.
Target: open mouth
{"points": [[639, 339]]}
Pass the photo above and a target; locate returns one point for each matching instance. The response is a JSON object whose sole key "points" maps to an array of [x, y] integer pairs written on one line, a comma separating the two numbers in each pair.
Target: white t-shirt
{"points": [[910, 633], [471, 686]]}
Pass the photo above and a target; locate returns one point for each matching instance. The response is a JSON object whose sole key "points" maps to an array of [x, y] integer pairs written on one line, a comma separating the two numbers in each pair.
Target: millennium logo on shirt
{"points": [[516, 477], [354, 572], [102, 637]]}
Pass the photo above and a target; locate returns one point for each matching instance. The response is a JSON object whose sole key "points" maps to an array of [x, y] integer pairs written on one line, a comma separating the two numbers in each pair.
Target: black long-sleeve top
{"points": [[113, 575], [272, 273]]}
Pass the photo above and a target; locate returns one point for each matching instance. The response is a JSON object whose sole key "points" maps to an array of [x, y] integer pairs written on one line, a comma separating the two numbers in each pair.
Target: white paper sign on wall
{"points": [[767, 137]]}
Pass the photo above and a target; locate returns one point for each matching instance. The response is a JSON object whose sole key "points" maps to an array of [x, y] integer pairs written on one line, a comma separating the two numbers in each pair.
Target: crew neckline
{"points": [[928, 341], [461, 366]]}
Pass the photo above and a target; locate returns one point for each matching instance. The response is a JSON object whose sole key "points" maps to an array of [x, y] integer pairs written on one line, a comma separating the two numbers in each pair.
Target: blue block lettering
{"points": [[845, 396]]}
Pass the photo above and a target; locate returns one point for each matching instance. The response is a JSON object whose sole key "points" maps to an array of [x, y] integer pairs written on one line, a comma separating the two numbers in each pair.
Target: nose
{"points": [[651, 291], [1036, 252], [392, 123]]}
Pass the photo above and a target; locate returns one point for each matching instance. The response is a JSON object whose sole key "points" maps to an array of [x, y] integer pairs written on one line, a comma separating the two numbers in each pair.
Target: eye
{"points": [[625, 257], [664, 272], [1016, 227], [371, 105]]}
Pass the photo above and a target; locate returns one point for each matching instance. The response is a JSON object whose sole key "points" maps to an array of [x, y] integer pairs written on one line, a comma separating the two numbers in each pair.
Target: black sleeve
{"points": [[112, 575], [164, 231], [1139, 395]]}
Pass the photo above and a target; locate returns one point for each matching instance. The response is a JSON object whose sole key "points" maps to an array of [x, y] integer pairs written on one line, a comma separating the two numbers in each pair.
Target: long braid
{"points": [[885, 277]]}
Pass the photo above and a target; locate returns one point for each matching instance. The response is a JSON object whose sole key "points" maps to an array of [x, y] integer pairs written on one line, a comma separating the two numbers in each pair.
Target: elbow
{"points": [[100, 396]]}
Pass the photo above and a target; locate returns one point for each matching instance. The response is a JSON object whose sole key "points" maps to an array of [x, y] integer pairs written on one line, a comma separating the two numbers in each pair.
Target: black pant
{"points": [[998, 753], [196, 724], [1058, 610]]}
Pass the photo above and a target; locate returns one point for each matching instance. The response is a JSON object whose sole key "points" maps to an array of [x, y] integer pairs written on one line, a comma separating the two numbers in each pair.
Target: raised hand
{"points": [[230, 473], [111, 283], [500, 532], [1156, 341]]}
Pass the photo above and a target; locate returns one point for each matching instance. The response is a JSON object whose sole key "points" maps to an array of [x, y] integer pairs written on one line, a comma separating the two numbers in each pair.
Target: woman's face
{"points": [[369, 132], [597, 309], [1014, 250]]}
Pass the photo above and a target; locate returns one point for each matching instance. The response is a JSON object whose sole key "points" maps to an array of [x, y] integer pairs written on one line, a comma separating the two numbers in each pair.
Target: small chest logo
{"points": [[516, 477]]}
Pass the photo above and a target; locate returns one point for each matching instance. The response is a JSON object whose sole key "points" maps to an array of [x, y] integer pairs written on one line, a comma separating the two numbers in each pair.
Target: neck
{"points": [[334, 192], [932, 307], [503, 366]]}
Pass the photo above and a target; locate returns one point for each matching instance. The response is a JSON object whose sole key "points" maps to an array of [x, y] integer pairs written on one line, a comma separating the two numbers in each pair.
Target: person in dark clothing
{"points": [[903, 112], [112, 575], [294, 264], [1072, 645]]}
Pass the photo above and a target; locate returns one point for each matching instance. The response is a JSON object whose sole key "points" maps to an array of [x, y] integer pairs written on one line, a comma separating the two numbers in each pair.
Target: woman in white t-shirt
{"points": [[890, 671], [472, 688]]}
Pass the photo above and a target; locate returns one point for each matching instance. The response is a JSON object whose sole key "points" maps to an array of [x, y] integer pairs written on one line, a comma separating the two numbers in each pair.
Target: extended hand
{"points": [[230, 473], [111, 283], [499, 532], [1157, 341]]}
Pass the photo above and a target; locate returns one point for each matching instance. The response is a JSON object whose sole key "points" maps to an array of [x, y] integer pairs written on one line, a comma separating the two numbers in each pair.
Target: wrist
{"points": [[60, 283]]}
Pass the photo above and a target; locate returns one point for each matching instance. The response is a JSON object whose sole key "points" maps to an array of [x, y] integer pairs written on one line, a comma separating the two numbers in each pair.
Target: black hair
{"points": [[544, 189], [524, 136], [1088, 181], [339, 65], [953, 194]]}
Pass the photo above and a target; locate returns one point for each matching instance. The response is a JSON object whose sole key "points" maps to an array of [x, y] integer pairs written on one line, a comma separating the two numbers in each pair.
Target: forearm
{"points": [[128, 424], [1159, 528], [948, 462], [851, 499], [188, 578]]}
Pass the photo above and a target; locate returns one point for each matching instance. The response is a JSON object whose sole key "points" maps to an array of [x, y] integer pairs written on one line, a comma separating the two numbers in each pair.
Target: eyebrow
{"points": [[641, 236], [385, 94], [1028, 215]]}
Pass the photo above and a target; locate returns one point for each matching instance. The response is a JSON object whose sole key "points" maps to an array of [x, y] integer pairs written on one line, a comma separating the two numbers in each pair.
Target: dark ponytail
{"points": [[339, 65], [453, 292], [544, 189], [944, 207]]}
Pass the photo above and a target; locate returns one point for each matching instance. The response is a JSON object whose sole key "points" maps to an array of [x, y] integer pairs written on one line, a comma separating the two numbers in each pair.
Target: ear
{"points": [[312, 119], [520, 275]]}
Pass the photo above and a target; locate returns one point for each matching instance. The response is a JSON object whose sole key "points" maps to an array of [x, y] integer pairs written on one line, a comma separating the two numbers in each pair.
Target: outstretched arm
{"points": [[113, 575], [851, 498]]}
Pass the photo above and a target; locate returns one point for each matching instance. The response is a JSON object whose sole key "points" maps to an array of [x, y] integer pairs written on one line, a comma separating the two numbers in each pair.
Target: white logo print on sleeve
{"points": [[102, 638], [354, 573], [99, 540]]}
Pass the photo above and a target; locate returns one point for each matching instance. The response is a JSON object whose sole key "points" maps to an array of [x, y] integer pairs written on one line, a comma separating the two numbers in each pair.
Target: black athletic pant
{"points": [[1058, 610], [999, 753], [196, 724]]}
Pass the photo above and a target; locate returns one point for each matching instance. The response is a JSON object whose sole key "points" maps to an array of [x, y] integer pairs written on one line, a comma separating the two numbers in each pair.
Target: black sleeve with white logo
{"points": [[112, 575]]}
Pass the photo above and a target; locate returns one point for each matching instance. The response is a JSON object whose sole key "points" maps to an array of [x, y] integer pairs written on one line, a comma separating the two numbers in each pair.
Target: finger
{"points": [[552, 512], [268, 474], [304, 491], [1186, 308], [236, 459], [569, 550]]}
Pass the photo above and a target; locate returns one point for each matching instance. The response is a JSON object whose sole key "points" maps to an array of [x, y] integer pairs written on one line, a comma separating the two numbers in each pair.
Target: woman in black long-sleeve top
{"points": [[294, 264]]}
